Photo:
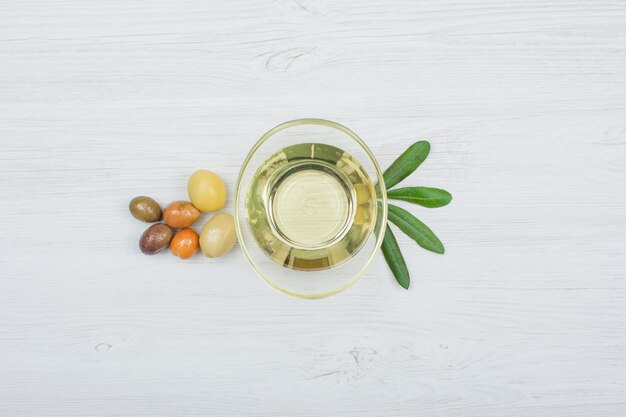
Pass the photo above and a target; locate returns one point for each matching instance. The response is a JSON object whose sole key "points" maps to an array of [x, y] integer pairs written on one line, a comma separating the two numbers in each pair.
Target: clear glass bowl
{"points": [[309, 283]]}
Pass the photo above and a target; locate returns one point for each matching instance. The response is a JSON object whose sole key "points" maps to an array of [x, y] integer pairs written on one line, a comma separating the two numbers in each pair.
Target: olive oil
{"points": [[311, 206]]}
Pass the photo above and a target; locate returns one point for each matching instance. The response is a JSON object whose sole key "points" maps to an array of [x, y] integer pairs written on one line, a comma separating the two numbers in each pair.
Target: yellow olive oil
{"points": [[311, 206]]}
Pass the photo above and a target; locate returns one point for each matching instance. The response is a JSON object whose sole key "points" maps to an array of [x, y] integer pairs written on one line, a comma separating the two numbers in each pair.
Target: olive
{"points": [[184, 244], [155, 238], [206, 191], [180, 214], [218, 235], [145, 209]]}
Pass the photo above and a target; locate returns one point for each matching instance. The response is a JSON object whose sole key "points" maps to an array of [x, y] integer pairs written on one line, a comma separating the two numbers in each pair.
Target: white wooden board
{"points": [[524, 103]]}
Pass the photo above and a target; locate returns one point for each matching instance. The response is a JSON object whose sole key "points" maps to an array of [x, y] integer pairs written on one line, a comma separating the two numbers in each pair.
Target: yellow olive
{"points": [[206, 191], [218, 235]]}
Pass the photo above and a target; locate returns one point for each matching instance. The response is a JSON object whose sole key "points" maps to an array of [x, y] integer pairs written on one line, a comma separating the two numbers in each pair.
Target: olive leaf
{"points": [[414, 228], [406, 163], [401, 168], [395, 260], [424, 196]]}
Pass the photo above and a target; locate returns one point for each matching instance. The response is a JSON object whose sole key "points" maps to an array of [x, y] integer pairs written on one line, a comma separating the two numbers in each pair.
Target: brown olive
{"points": [[145, 209], [156, 238], [180, 214]]}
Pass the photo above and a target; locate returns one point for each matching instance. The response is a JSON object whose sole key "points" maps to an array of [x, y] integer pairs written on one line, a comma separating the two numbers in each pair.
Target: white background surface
{"points": [[524, 103]]}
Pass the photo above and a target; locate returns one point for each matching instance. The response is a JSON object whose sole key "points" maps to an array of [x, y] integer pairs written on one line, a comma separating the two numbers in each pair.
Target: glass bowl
{"points": [[276, 244]]}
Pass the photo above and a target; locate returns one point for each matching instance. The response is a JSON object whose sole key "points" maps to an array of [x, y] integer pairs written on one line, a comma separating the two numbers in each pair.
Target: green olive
{"points": [[156, 238], [145, 209], [218, 235]]}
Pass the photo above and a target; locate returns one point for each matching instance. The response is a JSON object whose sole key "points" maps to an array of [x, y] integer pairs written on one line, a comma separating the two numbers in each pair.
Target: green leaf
{"points": [[414, 228], [406, 163], [424, 196], [395, 260]]}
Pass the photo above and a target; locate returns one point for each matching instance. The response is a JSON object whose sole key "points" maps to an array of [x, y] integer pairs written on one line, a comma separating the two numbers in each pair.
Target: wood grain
{"points": [[525, 107]]}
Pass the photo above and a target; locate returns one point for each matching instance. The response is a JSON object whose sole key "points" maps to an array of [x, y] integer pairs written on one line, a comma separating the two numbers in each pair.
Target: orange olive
{"points": [[180, 214], [184, 244]]}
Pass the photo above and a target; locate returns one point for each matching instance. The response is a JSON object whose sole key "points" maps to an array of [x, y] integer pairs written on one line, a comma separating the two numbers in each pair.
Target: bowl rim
{"points": [[383, 197]]}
